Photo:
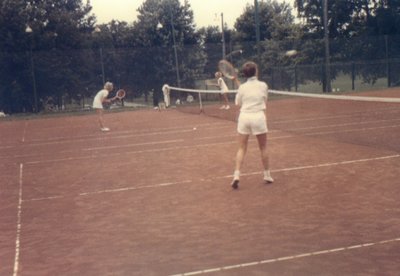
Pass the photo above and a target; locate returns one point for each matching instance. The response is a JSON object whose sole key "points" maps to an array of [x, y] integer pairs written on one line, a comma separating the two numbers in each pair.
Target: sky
{"points": [[206, 12]]}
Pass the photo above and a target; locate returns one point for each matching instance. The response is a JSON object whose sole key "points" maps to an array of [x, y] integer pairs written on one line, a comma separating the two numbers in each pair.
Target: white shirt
{"points": [[98, 99], [222, 85], [252, 95], [165, 89]]}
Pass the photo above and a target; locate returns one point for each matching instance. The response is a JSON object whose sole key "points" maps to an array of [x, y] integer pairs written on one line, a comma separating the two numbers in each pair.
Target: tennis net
{"points": [[365, 118]]}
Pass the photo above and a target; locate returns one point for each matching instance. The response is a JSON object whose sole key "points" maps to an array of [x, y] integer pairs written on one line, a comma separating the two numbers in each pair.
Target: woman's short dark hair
{"points": [[249, 69]]}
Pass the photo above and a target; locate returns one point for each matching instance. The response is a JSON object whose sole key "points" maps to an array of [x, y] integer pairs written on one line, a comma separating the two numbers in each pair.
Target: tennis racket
{"points": [[227, 69], [120, 94]]}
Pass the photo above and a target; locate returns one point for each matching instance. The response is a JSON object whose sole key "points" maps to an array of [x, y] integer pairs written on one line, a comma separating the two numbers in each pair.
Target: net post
{"points": [[201, 103]]}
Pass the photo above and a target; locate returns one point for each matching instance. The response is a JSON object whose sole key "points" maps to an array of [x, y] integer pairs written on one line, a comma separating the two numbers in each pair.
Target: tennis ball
{"points": [[291, 53]]}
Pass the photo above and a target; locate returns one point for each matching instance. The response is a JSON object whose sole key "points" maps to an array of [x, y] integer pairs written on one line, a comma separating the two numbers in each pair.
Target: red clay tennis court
{"points": [[153, 196]]}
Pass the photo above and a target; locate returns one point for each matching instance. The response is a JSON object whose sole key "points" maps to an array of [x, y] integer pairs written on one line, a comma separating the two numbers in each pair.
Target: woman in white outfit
{"points": [[99, 99], [165, 90], [252, 98], [224, 89]]}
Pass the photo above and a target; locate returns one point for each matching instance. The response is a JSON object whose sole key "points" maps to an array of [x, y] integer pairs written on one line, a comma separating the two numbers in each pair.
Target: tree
{"points": [[211, 40], [278, 33], [55, 25], [163, 27], [14, 45], [275, 18], [354, 30]]}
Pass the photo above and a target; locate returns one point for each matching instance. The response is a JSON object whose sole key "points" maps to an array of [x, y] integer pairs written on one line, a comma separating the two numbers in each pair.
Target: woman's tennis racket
{"points": [[120, 94], [227, 69]]}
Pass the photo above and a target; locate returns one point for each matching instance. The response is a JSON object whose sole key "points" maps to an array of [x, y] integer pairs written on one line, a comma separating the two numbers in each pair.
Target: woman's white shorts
{"points": [[252, 123]]}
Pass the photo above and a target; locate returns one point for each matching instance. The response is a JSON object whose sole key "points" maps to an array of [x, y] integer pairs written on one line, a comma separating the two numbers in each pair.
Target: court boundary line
{"points": [[309, 134], [124, 189], [19, 223], [310, 128], [121, 153], [205, 145], [131, 145], [57, 140], [345, 115], [287, 258], [152, 131]]}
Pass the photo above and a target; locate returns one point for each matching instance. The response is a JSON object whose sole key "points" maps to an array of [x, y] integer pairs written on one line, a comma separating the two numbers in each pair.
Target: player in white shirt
{"points": [[224, 89], [99, 99], [252, 98], [165, 90]]}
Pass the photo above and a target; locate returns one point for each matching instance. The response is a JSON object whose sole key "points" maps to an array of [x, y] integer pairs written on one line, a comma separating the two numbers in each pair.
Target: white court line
{"points": [[342, 125], [350, 130], [221, 177], [19, 223], [319, 165], [133, 145], [311, 128], [201, 138], [7, 147], [124, 134], [203, 145], [123, 153], [85, 139], [56, 140], [322, 165], [347, 115], [136, 188], [125, 189], [286, 258], [119, 134]]}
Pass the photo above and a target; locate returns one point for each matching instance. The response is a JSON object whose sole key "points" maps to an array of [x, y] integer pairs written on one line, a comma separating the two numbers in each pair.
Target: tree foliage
{"points": [[278, 33], [164, 26], [54, 26], [67, 56]]}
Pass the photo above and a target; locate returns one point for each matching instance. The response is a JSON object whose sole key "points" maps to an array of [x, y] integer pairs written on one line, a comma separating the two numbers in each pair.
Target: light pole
{"points": [[160, 26], [98, 30], [29, 30], [327, 54], [178, 78], [223, 36], [257, 24]]}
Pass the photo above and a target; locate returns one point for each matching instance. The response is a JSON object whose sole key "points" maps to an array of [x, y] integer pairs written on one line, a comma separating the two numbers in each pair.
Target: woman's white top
{"points": [[222, 85], [252, 95], [98, 99]]}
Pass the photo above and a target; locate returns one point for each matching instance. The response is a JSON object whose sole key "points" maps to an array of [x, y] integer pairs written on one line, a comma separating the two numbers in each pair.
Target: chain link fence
{"points": [[68, 79]]}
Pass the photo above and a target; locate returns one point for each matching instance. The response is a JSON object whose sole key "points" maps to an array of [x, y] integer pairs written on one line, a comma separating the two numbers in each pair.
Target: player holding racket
{"points": [[252, 98], [99, 100], [224, 90]]}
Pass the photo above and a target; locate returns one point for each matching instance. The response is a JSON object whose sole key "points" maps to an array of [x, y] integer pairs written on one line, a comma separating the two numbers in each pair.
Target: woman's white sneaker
{"points": [[267, 177]]}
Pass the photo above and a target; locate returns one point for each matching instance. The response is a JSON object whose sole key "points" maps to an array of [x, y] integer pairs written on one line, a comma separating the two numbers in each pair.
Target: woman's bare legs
{"points": [[100, 112], [262, 144], [240, 154], [225, 96]]}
